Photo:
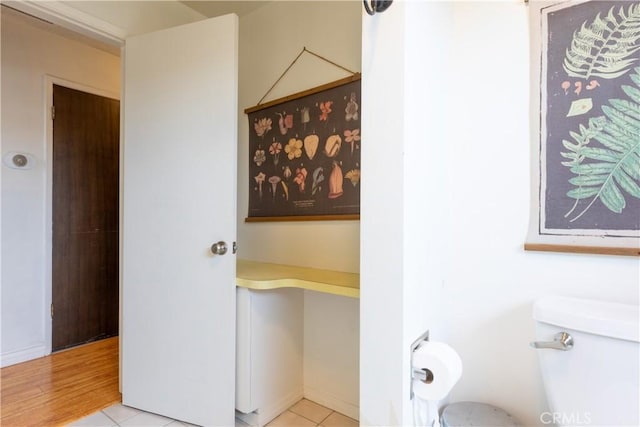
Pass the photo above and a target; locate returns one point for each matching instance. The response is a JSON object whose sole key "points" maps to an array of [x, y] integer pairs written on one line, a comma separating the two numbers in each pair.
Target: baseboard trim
{"points": [[332, 402], [24, 355], [266, 414]]}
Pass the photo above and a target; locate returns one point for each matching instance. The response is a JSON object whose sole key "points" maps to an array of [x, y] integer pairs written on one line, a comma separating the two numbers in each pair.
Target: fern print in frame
{"points": [[586, 133], [608, 171], [605, 47]]}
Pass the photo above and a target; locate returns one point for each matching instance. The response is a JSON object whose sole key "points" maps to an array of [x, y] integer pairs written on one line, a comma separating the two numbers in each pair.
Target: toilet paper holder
{"points": [[420, 374]]}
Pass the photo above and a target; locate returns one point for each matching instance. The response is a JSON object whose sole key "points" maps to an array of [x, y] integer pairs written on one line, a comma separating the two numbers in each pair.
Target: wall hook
{"points": [[376, 6]]}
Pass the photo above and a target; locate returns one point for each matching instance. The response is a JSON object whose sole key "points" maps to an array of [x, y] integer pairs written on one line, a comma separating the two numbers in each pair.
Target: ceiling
{"points": [[208, 8], [59, 30], [211, 8]]}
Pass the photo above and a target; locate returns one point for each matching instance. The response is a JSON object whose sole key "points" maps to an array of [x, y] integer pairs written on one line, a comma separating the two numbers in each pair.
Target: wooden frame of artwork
{"points": [[304, 155], [585, 129]]}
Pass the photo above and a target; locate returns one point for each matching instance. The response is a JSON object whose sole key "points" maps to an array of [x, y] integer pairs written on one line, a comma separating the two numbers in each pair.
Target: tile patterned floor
{"points": [[305, 413]]}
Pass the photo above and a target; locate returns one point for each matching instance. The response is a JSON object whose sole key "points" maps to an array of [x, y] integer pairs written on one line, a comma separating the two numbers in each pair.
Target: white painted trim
{"points": [[19, 356], [49, 81], [252, 418], [266, 414], [72, 19], [121, 215], [331, 401]]}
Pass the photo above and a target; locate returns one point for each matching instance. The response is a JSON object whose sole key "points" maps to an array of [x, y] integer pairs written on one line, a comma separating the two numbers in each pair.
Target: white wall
{"points": [[381, 224], [28, 54], [404, 216], [491, 297], [331, 351], [463, 87], [270, 39]]}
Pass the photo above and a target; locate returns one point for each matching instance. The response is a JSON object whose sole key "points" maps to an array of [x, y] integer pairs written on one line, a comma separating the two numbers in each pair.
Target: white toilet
{"points": [[589, 354]]}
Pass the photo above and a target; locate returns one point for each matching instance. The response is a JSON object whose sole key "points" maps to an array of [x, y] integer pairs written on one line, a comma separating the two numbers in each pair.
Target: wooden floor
{"points": [[61, 388]]}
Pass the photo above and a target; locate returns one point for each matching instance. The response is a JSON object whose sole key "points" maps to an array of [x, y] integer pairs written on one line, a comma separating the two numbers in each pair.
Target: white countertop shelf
{"points": [[263, 276]]}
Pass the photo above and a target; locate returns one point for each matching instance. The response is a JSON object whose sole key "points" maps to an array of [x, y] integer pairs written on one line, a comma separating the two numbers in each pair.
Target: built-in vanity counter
{"points": [[262, 276], [297, 336]]}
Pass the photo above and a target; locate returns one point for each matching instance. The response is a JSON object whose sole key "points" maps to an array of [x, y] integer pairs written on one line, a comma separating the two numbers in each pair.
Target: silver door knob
{"points": [[219, 248]]}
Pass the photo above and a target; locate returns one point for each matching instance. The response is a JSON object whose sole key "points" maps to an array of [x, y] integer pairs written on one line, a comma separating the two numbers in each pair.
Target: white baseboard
{"points": [[251, 418], [29, 353], [267, 413], [351, 410]]}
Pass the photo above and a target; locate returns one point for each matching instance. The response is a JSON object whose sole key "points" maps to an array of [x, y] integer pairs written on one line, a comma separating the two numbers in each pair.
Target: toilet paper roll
{"points": [[443, 367]]}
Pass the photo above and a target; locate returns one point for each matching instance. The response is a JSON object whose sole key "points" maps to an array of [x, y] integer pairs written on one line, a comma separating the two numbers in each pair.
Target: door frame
{"points": [[49, 81]]}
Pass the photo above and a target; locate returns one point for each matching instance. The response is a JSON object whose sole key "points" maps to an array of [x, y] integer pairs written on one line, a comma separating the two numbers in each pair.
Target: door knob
{"points": [[219, 248]]}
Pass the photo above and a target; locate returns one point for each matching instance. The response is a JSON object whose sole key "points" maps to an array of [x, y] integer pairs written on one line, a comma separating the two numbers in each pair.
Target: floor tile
{"points": [[97, 419], [120, 413], [180, 424], [339, 420], [240, 423], [311, 410], [289, 419], [146, 419]]}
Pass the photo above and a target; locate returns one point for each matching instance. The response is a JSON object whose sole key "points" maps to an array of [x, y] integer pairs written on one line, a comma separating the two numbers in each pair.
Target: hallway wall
{"points": [[29, 52]]}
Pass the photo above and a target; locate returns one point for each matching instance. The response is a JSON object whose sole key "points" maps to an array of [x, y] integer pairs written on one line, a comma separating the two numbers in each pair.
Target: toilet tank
{"points": [[596, 382]]}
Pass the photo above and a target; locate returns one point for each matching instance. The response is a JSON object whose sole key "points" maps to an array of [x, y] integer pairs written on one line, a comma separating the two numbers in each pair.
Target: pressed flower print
{"points": [[351, 111], [318, 177], [262, 126], [335, 181], [304, 117], [285, 122], [274, 149], [294, 148], [287, 172], [259, 180], [354, 176], [259, 157], [301, 176], [311, 145], [325, 108], [332, 146], [274, 180], [304, 154], [352, 137]]}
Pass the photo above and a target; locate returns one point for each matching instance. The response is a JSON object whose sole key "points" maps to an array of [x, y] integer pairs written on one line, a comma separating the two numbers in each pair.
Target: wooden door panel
{"points": [[85, 217]]}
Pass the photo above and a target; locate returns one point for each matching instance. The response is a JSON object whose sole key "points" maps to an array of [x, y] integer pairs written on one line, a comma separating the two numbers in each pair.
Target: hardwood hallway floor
{"points": [[63, 387]]}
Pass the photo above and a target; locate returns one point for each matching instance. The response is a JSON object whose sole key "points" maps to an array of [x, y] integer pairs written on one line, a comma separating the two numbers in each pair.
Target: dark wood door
{"points": [[85, 217]]}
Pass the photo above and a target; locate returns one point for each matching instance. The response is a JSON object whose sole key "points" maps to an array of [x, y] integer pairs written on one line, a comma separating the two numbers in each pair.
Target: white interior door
{"points": [[179, 197]]}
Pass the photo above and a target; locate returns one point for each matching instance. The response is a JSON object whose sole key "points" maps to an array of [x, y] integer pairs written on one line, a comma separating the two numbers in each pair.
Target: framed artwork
{"points": [[585, 127], [304, 155]]}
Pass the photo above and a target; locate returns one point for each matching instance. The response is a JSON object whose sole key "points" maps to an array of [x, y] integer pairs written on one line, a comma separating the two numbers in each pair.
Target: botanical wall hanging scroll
{"points": [[586, 127], [304, 155]]}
